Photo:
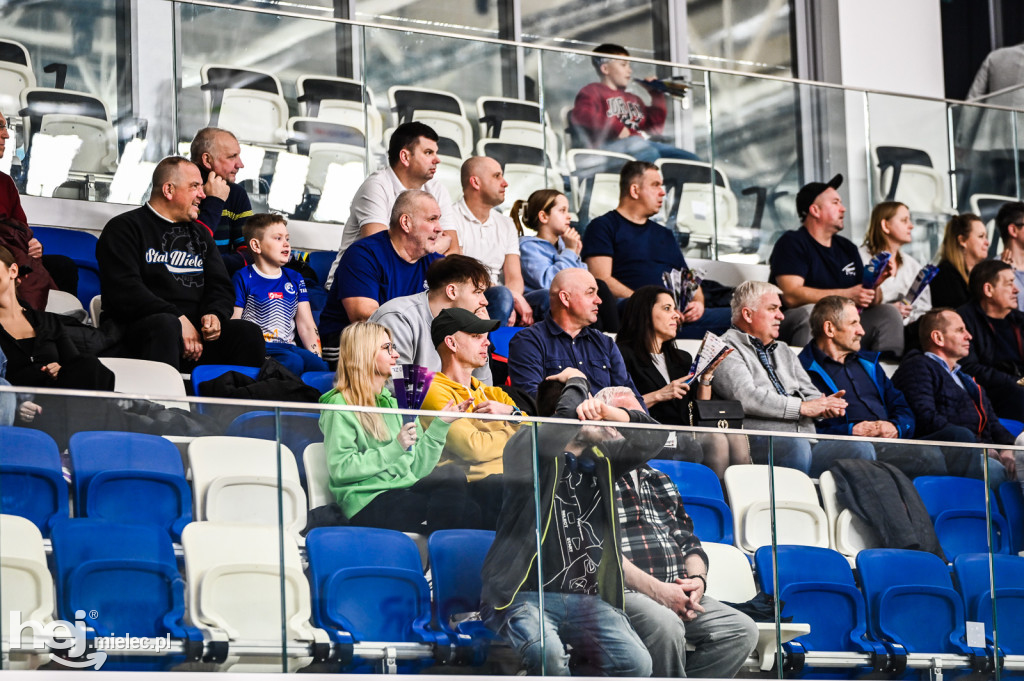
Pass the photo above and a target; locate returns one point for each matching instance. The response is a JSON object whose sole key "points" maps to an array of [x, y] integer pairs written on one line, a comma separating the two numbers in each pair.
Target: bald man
{"points": [[491, 238], [565, 339]]}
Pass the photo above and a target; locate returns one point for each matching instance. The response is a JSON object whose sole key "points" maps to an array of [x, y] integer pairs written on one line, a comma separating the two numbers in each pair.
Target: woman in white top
{"points": [[890, 228]]}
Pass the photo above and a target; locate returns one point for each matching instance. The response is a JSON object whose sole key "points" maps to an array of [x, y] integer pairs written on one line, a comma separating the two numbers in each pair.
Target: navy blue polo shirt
{"points": [[640, 253], [836, 266], [544, 349], [862, 398]]}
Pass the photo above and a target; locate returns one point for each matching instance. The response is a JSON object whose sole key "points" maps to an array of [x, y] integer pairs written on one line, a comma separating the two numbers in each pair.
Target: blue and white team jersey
{"points": [[270, 302]]}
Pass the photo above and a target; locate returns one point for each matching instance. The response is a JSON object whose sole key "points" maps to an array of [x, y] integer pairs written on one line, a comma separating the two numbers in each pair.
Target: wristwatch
{"points": [[706, 379]]}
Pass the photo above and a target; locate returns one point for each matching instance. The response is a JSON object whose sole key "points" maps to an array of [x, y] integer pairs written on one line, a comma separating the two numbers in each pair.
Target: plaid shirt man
{"points": [[657, 533]]}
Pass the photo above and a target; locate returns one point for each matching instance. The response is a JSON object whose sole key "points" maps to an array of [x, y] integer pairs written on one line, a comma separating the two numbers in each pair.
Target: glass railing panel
{"points": [[909, 162], [987, 152]]}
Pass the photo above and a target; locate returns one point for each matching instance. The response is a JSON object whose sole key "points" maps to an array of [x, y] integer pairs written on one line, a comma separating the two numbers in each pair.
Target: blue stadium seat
{"points": [[207, 372], [1011, 499], [130, 478], [31, 482], [500, 338], [702, 497], [125, 578], [912, 604], [456, 558], [957, 509], [321, 380], [298, 430], [817, 586], [80, 246], [1015, 427], [973, 575], [321, 262], [368, 586]]}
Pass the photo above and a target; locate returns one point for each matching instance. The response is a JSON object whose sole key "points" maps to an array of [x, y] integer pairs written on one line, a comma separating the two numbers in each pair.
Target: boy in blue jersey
{"points": [[275, 298]]}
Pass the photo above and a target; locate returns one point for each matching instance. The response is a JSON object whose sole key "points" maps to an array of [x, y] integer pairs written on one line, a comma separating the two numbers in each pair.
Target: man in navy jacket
{"points": [[875, 408], [947, 403]]}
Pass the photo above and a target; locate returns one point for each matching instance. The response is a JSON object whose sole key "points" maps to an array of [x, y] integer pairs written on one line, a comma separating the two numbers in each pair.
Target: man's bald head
{"points": [[483, 182], [574, 298]]}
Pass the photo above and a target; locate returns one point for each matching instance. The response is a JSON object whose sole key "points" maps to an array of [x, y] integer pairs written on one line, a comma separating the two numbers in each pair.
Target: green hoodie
{"points": [[362, 467]]}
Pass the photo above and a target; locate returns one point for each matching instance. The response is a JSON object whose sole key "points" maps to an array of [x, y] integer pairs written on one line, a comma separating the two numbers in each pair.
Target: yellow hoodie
{"points": [[474, 444]]}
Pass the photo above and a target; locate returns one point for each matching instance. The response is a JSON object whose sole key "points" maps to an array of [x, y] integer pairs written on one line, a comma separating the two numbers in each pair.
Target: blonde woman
{"points": [[889, 230], [964, 245], [382, 473]]}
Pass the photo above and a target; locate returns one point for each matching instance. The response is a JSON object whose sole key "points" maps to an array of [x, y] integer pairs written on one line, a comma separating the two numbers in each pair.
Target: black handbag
{"points": [[716, 414]]}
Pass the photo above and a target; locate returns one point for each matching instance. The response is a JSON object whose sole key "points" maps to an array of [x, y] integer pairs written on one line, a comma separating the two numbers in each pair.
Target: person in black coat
{"points": [[661, 372], [996, 359], [947, 404], [964, 245], [40, 355]]}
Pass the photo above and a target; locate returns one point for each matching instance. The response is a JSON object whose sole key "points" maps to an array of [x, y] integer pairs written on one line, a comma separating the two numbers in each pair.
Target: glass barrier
{"points": [[311, 103], [211, 534]]}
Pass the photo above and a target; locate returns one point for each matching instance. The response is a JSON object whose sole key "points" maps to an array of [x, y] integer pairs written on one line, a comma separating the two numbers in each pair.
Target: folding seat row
{"points": [[905, 615], [956, 507], [366, 605], [140, 479]]}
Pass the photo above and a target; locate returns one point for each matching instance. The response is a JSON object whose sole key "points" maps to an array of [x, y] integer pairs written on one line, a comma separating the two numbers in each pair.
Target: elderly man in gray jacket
{"points": [[766, 377]]}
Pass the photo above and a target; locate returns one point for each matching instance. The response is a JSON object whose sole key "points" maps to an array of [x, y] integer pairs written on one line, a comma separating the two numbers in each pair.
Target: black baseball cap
{"points": [[812, 190], [454, 319]]}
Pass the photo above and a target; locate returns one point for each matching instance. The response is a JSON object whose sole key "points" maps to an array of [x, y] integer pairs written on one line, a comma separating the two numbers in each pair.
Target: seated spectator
{"points": [[947, 404], [490, 237], [814, 261], [627, 249], [412, 162], [275, 298], [556, 247], [452, 281], [382, 473], [474, 446], [996, 359], [616, 120], [383, 266], [226, 207], [889, 230], [565, 338], [666, 603], [580, 558], [1010, 223], [163, 283], [775, 391], [8, 400], [16, 236], [964, 245], [875, 407], [661, 372], [37, 353]]}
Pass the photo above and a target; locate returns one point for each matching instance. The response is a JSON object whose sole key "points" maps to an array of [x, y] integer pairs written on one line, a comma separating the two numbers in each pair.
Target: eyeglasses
{"points": [[390, 347]]}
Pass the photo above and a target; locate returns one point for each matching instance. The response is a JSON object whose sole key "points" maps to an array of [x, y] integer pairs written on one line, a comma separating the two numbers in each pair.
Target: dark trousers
{"points": [[439, 501], [158, 338], [64, 272], [487, 495]]}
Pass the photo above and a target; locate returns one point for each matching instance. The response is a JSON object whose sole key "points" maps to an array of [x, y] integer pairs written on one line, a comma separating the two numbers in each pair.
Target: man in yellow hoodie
{"points": [[475, 445]]}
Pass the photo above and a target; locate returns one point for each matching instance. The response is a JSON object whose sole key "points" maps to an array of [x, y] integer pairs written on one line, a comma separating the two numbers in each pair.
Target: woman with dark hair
{"points": [[660, 372], [40, 355], [964, 245]]}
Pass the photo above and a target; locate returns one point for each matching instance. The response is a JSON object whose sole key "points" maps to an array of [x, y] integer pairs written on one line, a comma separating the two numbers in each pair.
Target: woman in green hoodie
{"points": [[382, 472]]}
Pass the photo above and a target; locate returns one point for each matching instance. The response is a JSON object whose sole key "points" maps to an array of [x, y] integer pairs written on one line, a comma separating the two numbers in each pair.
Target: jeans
{"points": [[723, 638], [646, 150], [603, 642], [967, 462], [8, 403], [500, 304], [800, 454], [295, 359]]}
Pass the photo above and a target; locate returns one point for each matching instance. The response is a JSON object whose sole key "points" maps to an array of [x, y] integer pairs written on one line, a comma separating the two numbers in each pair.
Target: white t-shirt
{"points": [[489, 242], [373, 202], [895, 287]]}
